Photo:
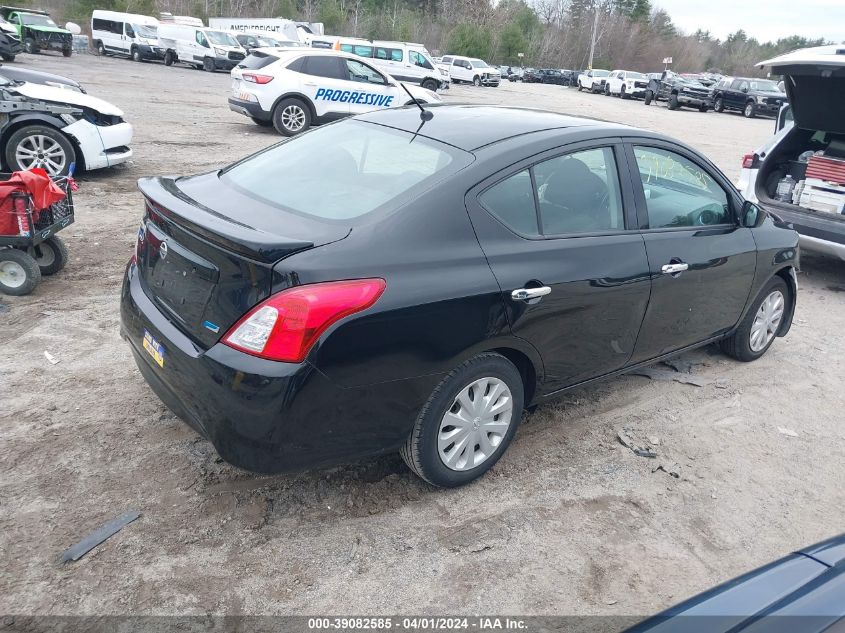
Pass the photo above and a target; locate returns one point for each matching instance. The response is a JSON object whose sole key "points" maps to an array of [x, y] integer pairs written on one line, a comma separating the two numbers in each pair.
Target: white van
{"points": [[126, 34], [404, 61], [201, 47]]}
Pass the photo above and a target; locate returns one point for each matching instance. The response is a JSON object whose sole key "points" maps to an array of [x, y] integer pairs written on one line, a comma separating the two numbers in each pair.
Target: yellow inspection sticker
{"points": [[154, 348]]}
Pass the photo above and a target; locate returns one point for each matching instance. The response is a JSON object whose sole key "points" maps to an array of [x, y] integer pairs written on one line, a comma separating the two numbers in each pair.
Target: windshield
{"points": [[477, 63], [146, 30], [34, 19], [632, 75], [343, 171], [764, 84], [601, 73], [221, 39]]}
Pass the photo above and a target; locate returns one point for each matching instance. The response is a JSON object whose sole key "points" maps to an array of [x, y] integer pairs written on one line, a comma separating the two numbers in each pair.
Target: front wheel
{"points": [[476, 81], [674, 104], [67, 52], [291, 116], [467, 423], [136, 55], [757, 331], [19, 273], [51, 255], [703, 108], [169, 58], [100, 48], [719, 105], [40, 146], [580, 87], [649, 95], [29, 46], [429, 84], [8, 58], [208, 65], [750, 110]]}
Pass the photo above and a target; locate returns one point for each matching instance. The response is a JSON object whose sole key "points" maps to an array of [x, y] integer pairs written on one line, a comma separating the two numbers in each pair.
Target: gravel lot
{"points": [[568, 522]]}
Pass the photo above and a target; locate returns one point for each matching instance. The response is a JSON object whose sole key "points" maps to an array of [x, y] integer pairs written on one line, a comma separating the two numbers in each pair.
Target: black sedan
{"points": [[803, 592], [394, 283]]}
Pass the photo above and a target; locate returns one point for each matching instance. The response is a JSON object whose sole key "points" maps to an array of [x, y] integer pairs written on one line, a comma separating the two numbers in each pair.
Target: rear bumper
{"points": [[251, 109], [266, 416], [817, 231]]}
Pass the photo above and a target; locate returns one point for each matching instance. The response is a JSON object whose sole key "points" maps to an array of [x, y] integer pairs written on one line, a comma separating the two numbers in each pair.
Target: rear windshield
{"points": [[345, 170], [257, 60]]}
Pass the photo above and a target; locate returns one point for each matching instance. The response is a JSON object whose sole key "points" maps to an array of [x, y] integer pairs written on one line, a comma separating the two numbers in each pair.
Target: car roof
{"points": [[830, 55], [471, 127]]}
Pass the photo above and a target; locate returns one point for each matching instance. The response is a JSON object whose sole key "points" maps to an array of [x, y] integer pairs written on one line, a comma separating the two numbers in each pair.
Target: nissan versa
{"points": [[394, 283]]}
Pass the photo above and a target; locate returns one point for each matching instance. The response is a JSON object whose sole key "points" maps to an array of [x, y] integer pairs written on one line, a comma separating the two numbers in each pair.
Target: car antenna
{"points": [[425, 115]]}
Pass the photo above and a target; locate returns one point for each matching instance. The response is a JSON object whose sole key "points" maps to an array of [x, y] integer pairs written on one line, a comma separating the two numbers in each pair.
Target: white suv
{"points": [[593, 80], [808, 146], [470, 70], [293, 88], [626, 84]]}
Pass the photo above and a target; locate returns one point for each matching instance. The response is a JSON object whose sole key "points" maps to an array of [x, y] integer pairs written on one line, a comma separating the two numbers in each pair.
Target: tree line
{"points": [[630, 34]]}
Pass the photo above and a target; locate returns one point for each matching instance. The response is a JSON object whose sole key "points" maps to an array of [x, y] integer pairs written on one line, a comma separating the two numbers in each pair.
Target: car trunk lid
{"points": [[815, 80], [205, 252]]}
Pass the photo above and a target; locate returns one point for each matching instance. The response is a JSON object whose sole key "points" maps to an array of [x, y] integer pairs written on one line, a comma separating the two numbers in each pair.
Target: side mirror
{"points": [[751, 215]]}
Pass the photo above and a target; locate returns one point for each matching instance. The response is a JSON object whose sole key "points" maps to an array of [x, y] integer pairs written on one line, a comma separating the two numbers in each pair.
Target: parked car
{"points": [[626, 84], [593, 80], [752, 97], [803, 592], [569, 76], [470, 70], [341, 308], [54, 128], [678, 92], [292, 89], [552, 76], [126, 35], [10, 41], [807, 145], [516, 73], [532, 76], [18, 74], [37, 30]]}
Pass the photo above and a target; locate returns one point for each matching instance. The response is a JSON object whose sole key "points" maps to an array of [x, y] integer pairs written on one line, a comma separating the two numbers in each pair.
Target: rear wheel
{"points": [[719, 105], [8, 58], [674, 104], [649, 95], [291, 116], [40, 146], [429, 84], [100, 48], [622, 93], [67, 52], [208, 65], [476, 81], [19, 273], [169, 58], [750, 110], [467, 423], [703, 108], [51, 255], [136, 54], [29, 46], [757, 331], [580, 87]]}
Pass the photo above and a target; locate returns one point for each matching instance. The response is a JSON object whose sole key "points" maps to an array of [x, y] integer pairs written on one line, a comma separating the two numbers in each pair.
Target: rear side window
{"points": [[323, 66], [109, 26], [446, 60], [512, 201], [257, 60], [371, 167], [390, 54]]}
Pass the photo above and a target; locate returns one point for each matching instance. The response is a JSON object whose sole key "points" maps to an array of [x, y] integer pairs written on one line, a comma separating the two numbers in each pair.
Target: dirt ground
{"points": [[568, 522]]}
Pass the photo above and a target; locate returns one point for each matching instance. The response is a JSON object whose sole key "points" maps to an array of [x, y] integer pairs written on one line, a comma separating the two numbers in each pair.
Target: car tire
{"points": [[580, 87], [429, 84], [719, 105], [19, 273], [673, 102], [208, 65], [29, 46], [262, 122], [135, 55], [28, 139], [606, 90], [703, 108], [649, 95], [100, 48], [425, 450], [169, 58], [291, 117], [67, 52], [8, 58], [750, 110], [622, 93], [51, 255], [758, 329], [476, 81]]}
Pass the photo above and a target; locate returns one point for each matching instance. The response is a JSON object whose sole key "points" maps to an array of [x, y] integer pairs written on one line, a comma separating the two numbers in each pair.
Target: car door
{"points": [[368, 89], [735, 98], [701, 261], [324, 81], [574, 278], [127, 38]]}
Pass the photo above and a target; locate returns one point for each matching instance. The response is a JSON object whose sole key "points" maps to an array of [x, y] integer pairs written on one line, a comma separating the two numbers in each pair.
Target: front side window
{"points": [[130, 32], [577, 193], [323, 66], [371, 167], [201, 39], [361, 72], [679, 192], [418, 60]]}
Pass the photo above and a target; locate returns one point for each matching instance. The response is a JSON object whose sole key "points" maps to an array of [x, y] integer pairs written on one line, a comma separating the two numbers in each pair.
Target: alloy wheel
{"points": [[42, 151], [12, 274], [767, 321], [293, 118], [476, 424]]}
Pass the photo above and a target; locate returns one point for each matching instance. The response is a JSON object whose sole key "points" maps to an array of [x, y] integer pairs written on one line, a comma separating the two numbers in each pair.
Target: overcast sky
{"points": [[764, 19]]}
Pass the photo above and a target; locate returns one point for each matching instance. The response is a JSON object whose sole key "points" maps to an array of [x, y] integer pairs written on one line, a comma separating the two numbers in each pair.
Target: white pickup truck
{"points": [[593, 80], [470, 70]]}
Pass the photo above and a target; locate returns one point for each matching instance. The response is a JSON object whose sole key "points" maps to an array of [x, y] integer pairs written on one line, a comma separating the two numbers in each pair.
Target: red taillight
{"points": [[748, 161], [286, 326], [257, 79]]}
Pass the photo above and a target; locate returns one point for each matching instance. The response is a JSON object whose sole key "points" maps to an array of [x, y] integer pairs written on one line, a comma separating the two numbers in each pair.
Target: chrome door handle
{"points": [[672, 269], [523, 294]]}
